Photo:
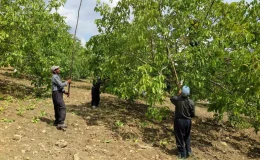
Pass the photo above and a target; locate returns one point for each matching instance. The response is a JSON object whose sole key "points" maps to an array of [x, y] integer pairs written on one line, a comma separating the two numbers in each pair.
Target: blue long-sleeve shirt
{"points": [[57, 84]]}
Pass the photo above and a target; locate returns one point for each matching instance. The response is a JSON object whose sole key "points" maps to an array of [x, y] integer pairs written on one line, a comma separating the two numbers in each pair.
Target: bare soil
{"points": [[117, 130]]}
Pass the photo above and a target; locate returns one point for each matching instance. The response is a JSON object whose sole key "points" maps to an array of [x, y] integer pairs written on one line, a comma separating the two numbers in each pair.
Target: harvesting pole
{"points": [[168, 50], [174, 69], [72, 55]]}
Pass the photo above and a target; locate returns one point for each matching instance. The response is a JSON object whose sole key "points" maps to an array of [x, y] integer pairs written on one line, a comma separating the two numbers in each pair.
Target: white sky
{"points": [[86, 26]]}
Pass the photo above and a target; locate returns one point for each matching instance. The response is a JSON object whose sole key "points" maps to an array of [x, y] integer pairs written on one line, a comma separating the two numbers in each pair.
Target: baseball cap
{"points": [[53, 68], [185, 91]]}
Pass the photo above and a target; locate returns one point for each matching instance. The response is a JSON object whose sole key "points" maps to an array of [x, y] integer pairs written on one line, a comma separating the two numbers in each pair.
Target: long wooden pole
{"points": [[169, 51], [174, 69], [72, 55]]}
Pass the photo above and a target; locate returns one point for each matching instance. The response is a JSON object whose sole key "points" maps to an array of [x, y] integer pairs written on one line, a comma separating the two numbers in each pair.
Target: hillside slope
{"points": [[117, 130]]}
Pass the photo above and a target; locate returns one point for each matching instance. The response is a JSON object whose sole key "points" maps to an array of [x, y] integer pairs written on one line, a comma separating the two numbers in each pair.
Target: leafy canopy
{"points": [[213, 46], [33, 37]]}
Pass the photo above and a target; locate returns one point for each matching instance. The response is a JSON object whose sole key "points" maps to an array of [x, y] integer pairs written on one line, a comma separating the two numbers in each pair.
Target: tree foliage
{"points": [[33, 37], [214, 47]]}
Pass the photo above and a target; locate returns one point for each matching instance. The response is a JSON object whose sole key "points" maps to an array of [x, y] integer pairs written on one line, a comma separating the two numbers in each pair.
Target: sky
{"points": [[86, 25]]}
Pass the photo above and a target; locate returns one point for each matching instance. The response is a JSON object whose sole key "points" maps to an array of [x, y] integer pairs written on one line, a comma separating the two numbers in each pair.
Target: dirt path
{"points": [[117, 130]]}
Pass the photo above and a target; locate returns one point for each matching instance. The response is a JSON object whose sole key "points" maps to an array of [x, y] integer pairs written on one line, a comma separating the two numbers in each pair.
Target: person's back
{"points": [[95, 93], [183, 107]]}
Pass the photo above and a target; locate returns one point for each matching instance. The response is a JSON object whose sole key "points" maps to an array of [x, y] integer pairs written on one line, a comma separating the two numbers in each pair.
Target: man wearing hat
{"points": [[57, 97], [184, 111]]}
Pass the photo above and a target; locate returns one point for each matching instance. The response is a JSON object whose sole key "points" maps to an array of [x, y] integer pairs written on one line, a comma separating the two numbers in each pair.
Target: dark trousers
{"points": [[182, 129], [59, 107], [95, 95]]}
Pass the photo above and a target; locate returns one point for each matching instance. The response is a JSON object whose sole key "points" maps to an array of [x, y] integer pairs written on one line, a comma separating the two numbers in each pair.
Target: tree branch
{"points": [[138, 58], [213, 1], [220, 85]]}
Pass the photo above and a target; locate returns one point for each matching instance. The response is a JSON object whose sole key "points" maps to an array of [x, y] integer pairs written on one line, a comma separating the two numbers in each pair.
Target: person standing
{"points": [[57, 97], [184, 112], [95, 93]]}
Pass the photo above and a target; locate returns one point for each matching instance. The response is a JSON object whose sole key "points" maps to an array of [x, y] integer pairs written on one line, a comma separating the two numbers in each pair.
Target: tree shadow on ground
{"points": [[203, 137], [83, 87], [14, 89], [254, 150], [11, 74], [128, 120], [21, 91]]}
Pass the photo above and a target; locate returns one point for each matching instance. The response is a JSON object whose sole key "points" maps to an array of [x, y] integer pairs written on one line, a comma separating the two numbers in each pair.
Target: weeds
{"points": [[9, 99], [142, 124], [118, 123], [43, 113], [106, 141], [73, 113], [7, 120], [163, 142], [135, 140], [2, 109], [20, 111], [30, 107], [35, 119]]}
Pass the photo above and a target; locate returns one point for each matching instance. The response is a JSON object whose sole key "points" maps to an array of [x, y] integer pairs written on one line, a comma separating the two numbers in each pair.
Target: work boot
{"points": [[55, 123], [189, 154], [181, 156], [62, 126]]}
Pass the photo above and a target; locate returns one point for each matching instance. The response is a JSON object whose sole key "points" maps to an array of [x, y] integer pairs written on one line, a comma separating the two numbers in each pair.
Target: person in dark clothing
{"points": [[57, 98], [184, 112], [95, 93]]}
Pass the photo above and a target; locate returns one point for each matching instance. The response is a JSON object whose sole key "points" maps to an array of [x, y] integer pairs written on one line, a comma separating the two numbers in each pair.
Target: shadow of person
{"points": [[46, 120]]}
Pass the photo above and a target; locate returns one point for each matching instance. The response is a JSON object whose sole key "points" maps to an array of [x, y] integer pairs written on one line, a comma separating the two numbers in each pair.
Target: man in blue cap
{"points": [[184, 111]]}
